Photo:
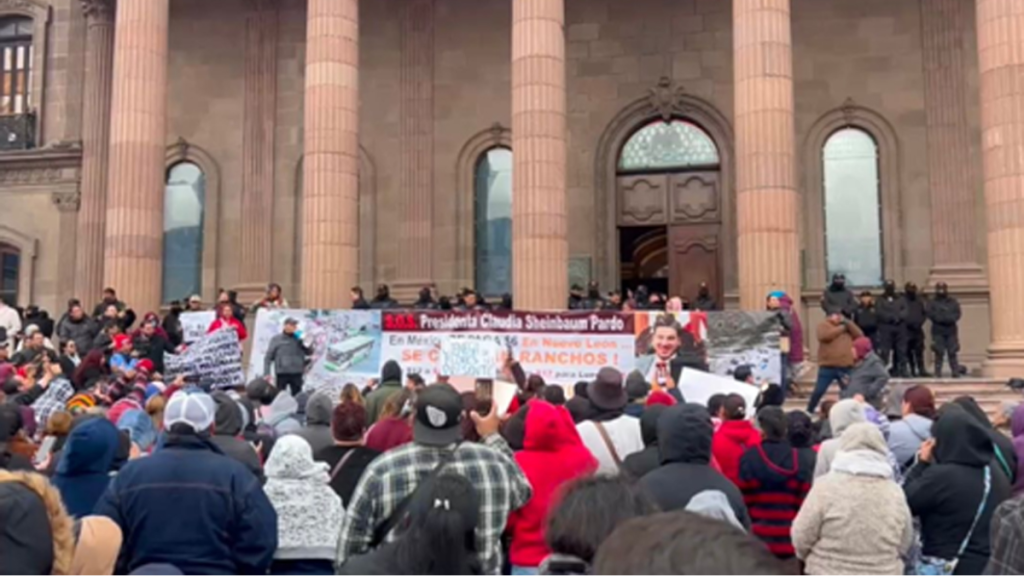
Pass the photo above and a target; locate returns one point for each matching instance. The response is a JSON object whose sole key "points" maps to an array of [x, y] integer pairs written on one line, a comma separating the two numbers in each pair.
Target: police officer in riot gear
{"points": [[944, 312], [892, 334], [916, 318]]}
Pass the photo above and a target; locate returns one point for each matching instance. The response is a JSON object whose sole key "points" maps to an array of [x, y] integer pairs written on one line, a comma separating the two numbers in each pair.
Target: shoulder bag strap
{"points": [[341, 463], [608, 444], [977, 516], [381, 531]]}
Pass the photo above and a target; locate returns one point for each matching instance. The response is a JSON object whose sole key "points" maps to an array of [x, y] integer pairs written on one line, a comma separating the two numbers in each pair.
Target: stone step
{"points": [[989, 393]]}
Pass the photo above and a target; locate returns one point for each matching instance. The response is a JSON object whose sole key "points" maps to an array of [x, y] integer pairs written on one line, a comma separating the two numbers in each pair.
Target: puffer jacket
{"points": [[82, 332], [869, 379], [287, 354]]}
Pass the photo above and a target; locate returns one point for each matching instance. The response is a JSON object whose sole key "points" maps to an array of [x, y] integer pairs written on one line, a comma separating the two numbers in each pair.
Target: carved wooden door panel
{"points": [[694, 258], [694, 198], [643, 200]]}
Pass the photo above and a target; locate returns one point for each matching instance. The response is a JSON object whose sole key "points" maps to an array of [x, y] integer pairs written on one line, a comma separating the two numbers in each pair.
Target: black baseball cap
{"points": [[438, 416]]}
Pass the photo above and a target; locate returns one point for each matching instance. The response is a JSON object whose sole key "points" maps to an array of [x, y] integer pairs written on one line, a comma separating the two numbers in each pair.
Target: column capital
{"points": [[99, 10], [66, 201]]}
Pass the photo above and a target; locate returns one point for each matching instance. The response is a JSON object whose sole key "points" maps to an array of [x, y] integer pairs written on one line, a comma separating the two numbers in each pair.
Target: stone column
{"points": [[330, 207], [415, 207], [99, 66], [258, 149], [1001, 63], [951, 173], [540, 244], [138, 118], [766, 192]]}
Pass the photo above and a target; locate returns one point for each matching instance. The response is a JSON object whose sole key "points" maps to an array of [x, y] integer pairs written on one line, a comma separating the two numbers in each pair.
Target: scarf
{"points": [[863, 463]]}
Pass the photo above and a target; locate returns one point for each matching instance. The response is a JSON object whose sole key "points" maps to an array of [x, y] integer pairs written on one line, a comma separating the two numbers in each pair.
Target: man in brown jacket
{"points": [[835, 354]]}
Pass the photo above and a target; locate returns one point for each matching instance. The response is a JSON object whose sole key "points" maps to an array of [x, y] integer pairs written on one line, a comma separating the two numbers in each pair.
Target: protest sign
{"points": [[697, 386], [212, 362], [502, 396], [195, 324], [465, 356]]}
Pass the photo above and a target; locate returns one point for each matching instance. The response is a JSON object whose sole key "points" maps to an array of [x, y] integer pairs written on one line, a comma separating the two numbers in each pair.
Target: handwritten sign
{"points": [[212, 362], [195, 324], [468, 357], [697, 386]]}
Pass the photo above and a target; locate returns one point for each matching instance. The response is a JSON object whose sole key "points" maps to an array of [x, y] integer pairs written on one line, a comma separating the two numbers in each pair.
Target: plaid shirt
{"points": [[491, 468], [53, 400], [1007, 538]]}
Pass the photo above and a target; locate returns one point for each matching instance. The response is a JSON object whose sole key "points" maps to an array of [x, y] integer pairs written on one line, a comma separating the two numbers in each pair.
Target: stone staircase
{"points": [[988, 392]]}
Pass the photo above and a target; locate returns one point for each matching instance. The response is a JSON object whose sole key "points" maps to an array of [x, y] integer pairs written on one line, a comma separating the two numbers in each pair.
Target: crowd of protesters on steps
{"points": [[107, 468]]}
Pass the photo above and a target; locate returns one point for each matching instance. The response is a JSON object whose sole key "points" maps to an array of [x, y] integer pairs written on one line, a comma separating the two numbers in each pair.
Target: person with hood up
{"points": [[684, 445], [83, 471], [843, 414], [189, 505], [775, 478], [309, 513], [383, 299], [638, 464], [226, 321], [228, 426], [637, 390], [283, 416], [734, 437], [36, 534], [954, 489], [317, 431], [838, 298], [1004, 450], [390, 384], [835, 532], [579, 405], [1017, 429], [869, 376], [916, 317], [907, 434], [553, 455], [609, 434]]}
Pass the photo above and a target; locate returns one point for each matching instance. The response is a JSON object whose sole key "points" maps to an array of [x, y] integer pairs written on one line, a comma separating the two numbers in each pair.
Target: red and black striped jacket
{"points": [[775, 478]]}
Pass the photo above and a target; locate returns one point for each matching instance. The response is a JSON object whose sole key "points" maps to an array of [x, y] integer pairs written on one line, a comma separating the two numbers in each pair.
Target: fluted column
{"points": [[415, 228], [330, 208], [138, 117], [766, 194], [258, 148], [540, 244], [1001, 62], [99, 67], [951, 173]]}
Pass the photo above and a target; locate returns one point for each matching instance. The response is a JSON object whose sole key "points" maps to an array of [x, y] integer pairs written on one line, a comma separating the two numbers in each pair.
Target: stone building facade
{"points": [[171, 146]]}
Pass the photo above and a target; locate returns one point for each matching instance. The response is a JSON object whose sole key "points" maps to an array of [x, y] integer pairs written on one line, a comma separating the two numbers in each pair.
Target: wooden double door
{"points": [[689, 206]]}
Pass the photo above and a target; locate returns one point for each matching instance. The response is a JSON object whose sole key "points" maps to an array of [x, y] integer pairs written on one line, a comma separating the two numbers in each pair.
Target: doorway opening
{"points": [[670, 209]]}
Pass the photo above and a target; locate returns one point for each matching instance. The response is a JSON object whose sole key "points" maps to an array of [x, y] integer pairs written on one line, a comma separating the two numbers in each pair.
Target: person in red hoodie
{"points": [[227, 320], [552, 456], [734, 437]]}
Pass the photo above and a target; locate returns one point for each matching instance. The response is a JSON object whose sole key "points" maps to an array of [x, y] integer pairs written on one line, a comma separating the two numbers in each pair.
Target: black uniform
{"points": [[704, 300], [838, 298], [892, 335], [916, 317], [944, 312], [866, 319]]}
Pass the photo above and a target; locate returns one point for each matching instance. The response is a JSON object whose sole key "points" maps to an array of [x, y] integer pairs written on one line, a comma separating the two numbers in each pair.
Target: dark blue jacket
{"points": [[190, 506], [83, 471]]}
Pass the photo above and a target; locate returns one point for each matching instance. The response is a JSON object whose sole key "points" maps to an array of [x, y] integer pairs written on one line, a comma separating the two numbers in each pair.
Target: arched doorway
{"points": [[669, 208]]}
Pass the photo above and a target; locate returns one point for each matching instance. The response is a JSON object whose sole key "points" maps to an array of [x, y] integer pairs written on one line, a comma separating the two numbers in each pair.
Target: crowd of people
{"points": [[106, 468]]}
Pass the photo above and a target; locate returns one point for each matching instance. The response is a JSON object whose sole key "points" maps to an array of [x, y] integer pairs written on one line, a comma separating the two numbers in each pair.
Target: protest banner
{"points": [[195, 324], [352, 345], [212, 362], [461, 356]]}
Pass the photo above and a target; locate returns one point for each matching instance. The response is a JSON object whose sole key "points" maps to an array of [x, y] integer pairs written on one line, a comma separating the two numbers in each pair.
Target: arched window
{"points": [[493, 222], [184, 210], [853, 227], [10, 266], [668, 145], [15, 64]]}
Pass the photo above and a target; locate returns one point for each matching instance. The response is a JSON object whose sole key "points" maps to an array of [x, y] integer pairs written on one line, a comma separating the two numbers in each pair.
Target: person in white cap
{"points": [[190, 506]]}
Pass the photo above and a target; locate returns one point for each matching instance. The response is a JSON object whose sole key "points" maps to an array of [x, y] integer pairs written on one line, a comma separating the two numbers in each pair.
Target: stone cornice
{"points": [[99, 10]]}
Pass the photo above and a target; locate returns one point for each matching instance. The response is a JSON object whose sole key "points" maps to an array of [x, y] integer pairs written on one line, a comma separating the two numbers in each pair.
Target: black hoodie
{"points": [[684, 444], [640, 463], [1005, 454], [26, 539], [946, 493]]}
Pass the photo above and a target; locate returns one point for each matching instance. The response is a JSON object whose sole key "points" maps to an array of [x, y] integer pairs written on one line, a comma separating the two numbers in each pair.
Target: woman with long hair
{"points": [[439, 535]]}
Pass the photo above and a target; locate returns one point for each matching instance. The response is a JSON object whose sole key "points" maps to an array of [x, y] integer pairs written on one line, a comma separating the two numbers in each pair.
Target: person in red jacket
{"points": [[734, 437], [227, 320], [552, 456]]}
